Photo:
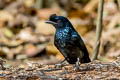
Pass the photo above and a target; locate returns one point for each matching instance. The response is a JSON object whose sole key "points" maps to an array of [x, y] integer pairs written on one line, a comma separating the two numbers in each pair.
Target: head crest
{"points": [[52, 17]]}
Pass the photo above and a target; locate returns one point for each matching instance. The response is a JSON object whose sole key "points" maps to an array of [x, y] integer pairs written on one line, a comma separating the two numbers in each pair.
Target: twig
{"points": [[39, 4], [98, 29], [118, 2]]}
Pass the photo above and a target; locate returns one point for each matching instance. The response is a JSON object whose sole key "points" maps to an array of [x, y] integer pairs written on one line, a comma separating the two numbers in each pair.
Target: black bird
{"points": [[68, 41]]}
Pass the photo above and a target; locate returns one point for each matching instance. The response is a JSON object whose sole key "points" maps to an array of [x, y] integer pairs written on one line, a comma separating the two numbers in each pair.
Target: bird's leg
{"points": [[62, 61], [77, 65], [61, 64]]}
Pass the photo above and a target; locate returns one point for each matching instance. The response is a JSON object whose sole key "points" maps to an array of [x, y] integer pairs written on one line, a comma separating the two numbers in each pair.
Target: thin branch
{"points": [[98, 29], [39, 4], [118, 2]]}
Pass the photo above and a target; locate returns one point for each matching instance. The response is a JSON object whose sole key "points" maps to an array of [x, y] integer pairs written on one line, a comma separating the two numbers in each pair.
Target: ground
{"points": [[94, 70]]}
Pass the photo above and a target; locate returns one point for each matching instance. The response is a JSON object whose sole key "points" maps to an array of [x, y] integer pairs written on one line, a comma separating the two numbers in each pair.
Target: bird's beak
{"points": [[50, 22]]}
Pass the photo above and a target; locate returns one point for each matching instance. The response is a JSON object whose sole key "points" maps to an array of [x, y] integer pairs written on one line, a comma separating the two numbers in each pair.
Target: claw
{"points": [[77, 65]]}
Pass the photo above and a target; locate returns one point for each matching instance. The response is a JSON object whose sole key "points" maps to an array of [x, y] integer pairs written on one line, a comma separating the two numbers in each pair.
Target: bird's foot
{"points": [[77, 65], [61, 64]]}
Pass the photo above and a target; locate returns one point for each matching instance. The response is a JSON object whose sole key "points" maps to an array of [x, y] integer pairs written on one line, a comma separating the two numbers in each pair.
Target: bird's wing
{"points": [[77, 41]]}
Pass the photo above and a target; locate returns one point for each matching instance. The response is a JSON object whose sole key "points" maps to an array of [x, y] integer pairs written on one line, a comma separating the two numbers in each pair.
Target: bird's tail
{"points": [[85, 58]]}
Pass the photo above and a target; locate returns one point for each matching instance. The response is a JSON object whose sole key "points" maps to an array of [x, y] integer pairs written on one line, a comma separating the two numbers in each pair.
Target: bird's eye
{"points": [[55, 20]]}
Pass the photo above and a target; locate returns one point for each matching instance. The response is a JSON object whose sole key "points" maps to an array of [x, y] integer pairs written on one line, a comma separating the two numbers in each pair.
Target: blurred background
{"points": [[25, 37]]}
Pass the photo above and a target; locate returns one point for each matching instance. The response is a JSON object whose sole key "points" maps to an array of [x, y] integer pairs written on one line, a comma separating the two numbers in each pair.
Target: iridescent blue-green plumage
{"points": [[68, 41]]}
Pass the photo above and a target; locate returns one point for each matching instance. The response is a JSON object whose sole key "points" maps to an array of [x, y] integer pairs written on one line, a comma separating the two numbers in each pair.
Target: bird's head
{"points": [[58, 21]]}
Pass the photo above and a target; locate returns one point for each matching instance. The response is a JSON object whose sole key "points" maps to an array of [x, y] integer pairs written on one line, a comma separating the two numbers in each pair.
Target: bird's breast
{"points": [[62, 38]]}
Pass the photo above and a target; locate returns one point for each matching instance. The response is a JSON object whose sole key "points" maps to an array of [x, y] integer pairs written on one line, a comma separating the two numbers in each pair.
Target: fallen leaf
{"points": [[45, 13], [44, 28]]}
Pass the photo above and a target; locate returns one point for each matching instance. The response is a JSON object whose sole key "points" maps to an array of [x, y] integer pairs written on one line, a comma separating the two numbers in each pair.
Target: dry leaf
{"points": [[44, 28], [45, 13]]}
